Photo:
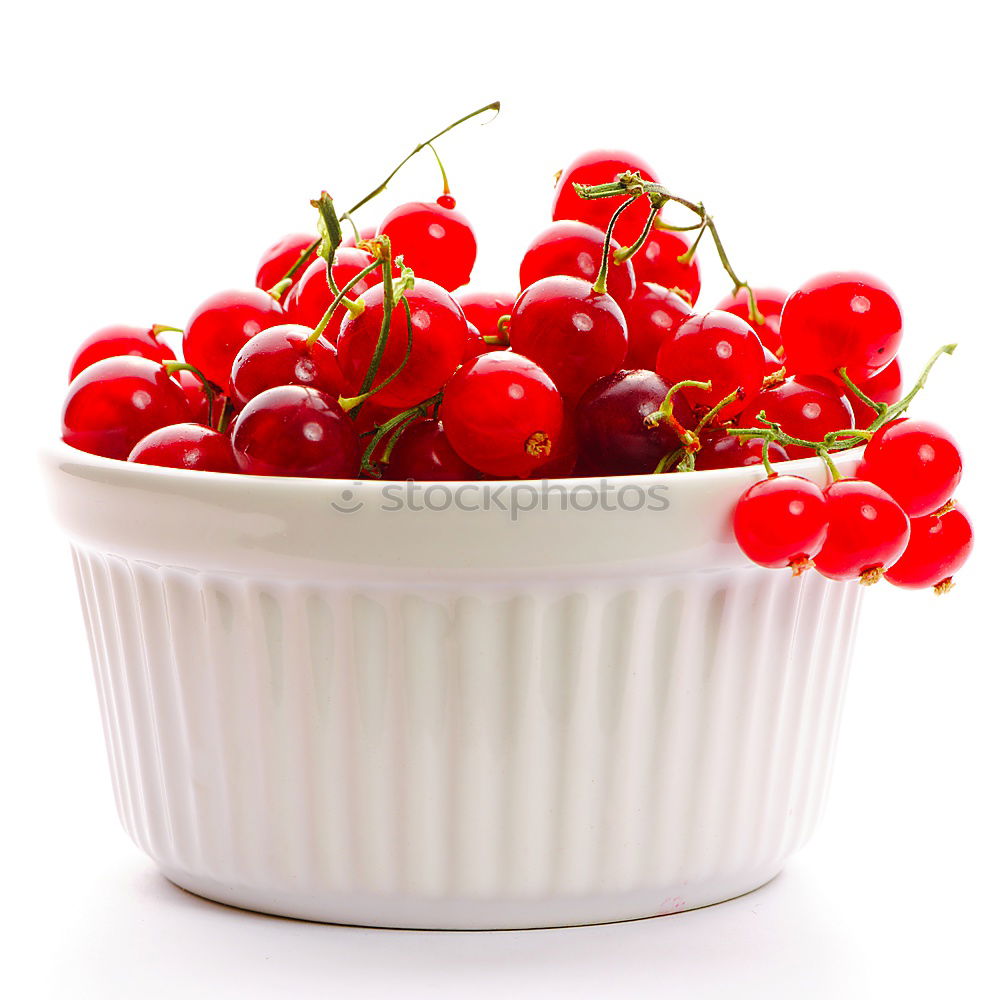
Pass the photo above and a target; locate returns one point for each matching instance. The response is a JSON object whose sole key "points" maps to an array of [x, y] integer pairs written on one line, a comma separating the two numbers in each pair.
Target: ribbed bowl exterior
{"points": [[470, 750]]}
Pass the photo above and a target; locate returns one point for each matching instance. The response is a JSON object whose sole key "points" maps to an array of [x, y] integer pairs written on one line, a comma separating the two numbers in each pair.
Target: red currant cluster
{"points": [[353, 357]]}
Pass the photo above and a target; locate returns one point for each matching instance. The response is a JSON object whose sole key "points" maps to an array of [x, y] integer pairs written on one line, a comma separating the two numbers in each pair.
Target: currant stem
{"points": [[624, 253], [765, 459], [879, 408], [444, 176], [354, 306], [666, 411], [211, 390], [834, 471], [494, 106], [601, 282], [157, 328], [301, 261]]}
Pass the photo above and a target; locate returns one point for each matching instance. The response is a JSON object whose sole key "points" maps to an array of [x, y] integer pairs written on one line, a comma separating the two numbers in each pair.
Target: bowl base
{"points": [[427, 913]]}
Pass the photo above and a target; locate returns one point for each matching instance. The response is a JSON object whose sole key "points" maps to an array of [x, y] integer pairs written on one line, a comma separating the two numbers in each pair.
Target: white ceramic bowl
{"points": [[326, 700]]}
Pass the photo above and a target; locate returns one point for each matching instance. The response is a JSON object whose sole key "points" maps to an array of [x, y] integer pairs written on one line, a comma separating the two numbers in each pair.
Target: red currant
{"points": [[116, 341], [435, 239], [938, 548], [115, 402], [782, 522], [657, 261], [807, 407], [651, 315], [221, 325], [868, 531], [278, 259], [310, 297], [293, 430], [720, 450], [885, 386], [186, 446], [576, 249], [282, 355], [197, 397], [575, 334], [502, 414], [769, 304], [440, 334], [484, 309], [715, 347], [613, 423], [423, 453], [841, 320], [916, 462], [474, 344], [602, 166]]}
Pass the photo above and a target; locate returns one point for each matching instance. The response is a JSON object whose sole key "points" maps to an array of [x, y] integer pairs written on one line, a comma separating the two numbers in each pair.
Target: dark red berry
{"points": [[118, 341], [602, 166], [657, 261], [841, 320], [502, 414], [720, 450], [114, 403], [221, 325], [615, 426], [484, 309], [277, 260], [293, 430], [576, 249], [769, 304], [939, 546], [715, 347], [424, 454], [310, 297], [917, 462], [781, 522], [186, 446], [440, 334], [282, 355], [868, 531], [807, 407], [651, 315], [575, 334], [435, 240]]}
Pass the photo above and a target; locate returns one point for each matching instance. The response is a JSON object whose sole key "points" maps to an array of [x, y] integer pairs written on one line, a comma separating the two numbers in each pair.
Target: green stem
{"points": [[211, 390], [766, 459], [157, 328], [494, 106], [301, 260], [444, 176], [355, 307], [624, 253], [601, 282]]}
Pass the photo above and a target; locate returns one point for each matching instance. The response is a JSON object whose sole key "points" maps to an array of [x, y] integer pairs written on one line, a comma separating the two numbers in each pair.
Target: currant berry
{"points": [[651, 315], [474, 344], [715, 347], [435, 239], [310, 296], [885, 386], [440, 333], [115, 402], [293, 430], [186, 446], [807, 407], [720, 450], [282, 355], [657, 261], [565, 453], [575, 334], [484, 309], [782, 522], [199, 404], [221, 325], [502, 414], [602, 166], [614, 426], [277, 260], [917, 462], [841, 320], [118, 341], [939, 546], [424, 454], [769, 304], [868, 532], [576, 249]]}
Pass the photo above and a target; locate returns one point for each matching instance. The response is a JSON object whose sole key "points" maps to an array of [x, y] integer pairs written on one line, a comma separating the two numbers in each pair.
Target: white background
{"points": [[153, 151]]}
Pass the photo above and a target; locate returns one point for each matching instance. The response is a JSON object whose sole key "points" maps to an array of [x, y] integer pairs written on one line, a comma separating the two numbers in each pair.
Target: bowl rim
{"points": [[60, 454]]}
